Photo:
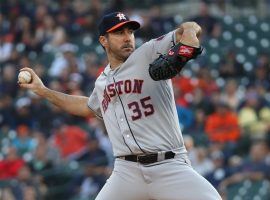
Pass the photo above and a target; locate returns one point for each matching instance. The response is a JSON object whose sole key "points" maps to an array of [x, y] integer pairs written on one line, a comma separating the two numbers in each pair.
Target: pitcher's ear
{"points": [[103, 40]]}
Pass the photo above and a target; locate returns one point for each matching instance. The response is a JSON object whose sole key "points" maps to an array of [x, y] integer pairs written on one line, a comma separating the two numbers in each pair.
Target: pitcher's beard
{"points": [[124, 53]]}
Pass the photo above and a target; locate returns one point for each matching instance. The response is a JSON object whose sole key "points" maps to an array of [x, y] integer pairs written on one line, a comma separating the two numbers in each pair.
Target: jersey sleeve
{"points": [[93, 104], [162, 44]]}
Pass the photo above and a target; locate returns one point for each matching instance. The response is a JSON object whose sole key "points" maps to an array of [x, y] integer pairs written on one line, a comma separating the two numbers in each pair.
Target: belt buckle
{"points": [[147, 159], [161, 155], [138, 157]]}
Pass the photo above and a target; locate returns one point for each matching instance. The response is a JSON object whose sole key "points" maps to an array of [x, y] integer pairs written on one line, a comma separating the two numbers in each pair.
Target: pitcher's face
{"points": [[120, 43]]}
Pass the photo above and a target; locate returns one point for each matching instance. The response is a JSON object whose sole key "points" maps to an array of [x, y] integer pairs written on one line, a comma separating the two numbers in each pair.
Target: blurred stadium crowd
{"points": [[222, 98]]}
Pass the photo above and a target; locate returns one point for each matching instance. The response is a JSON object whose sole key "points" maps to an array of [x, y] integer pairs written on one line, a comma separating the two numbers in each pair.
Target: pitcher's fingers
{"points": [[199, 33], [31, 71], [25, 68], [25, 85], [189, 38]]}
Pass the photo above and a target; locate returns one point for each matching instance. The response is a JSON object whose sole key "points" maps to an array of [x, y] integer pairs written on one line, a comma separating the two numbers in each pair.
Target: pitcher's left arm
{"points": [[188, 47]]}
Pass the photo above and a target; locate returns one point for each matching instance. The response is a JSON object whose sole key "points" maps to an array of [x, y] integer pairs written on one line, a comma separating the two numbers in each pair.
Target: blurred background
{"points": [[222, 97]]}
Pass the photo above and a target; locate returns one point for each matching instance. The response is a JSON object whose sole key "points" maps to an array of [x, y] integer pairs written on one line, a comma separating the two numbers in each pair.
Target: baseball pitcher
{"points": [[134, 97]]}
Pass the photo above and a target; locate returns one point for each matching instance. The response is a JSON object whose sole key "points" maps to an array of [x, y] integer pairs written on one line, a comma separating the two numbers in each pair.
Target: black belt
{"points": [[147, 158]]}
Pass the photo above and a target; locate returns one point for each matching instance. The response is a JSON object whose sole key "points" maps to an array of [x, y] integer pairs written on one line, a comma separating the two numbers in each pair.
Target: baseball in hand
{"points": [[24, 77]]}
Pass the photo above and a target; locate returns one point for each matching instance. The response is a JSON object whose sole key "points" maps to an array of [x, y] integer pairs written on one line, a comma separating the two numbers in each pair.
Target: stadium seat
{"points": [[249, 190]]}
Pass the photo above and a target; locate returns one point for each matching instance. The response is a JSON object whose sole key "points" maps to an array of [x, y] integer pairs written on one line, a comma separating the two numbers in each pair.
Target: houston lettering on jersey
{"points": [[119, 88]]}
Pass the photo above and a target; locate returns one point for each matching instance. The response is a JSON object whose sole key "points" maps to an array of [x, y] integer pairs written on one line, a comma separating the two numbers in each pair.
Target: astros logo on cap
{"points": [[112, 21], [121, 16]]}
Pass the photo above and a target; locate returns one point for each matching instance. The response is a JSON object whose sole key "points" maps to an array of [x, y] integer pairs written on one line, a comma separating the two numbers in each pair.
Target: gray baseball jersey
{"points": [[139, 113], [140, 117]]}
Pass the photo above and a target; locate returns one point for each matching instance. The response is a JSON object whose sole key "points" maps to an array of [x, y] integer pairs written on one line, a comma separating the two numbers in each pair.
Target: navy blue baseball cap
{"points": [[113, 21]]}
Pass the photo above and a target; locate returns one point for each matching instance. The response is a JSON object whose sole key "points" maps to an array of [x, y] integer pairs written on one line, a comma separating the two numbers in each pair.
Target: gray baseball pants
{"points": [[172, 179]]}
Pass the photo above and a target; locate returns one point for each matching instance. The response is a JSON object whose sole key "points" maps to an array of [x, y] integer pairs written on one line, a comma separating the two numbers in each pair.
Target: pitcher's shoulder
{"points": [[144, 50]]}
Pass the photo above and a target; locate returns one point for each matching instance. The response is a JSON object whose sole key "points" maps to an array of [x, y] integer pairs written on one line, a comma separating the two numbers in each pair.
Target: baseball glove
{"points": [[169, 65]]}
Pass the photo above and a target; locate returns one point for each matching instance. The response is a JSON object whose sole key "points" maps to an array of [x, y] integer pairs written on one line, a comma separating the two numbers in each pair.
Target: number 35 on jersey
{"points": [[140, 108]]}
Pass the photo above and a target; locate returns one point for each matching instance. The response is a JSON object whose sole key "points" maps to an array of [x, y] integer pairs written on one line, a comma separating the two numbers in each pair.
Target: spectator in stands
{"points": [[40, 13], [261, 76], [14, 58], [11, 165], [70, 140], [230, 67], [75, 84], [219, 171], [29, 193], [184, 87], [94, 179], [147, 31], [23, 114], [4, 24], [41, 111], [206, 82], [186, 117], [91, 72], [7, 112], [263, 61], [253, 114], [198, 126], [6, 194], [202, 102], [45, 158], [101, 134], [267, 159], [157, 21], [67, 61], [189, 143], [47, 32], [114, 6], [6, 46], [26, 187], [46, 146], [234, 163], [40, 162], [82, 16], [203, 165], [94, 162], [97, 161], [24, 142], [64, 20], [24, 60], [93, 153], [4, 138], [24, 33], [232, 95], [253, 168], [205, 19], [96, 11], [222, 126], [8, 81]]}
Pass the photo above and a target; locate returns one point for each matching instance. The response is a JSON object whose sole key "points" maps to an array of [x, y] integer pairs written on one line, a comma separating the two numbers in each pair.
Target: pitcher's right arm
{"points": [[75, 105]]}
